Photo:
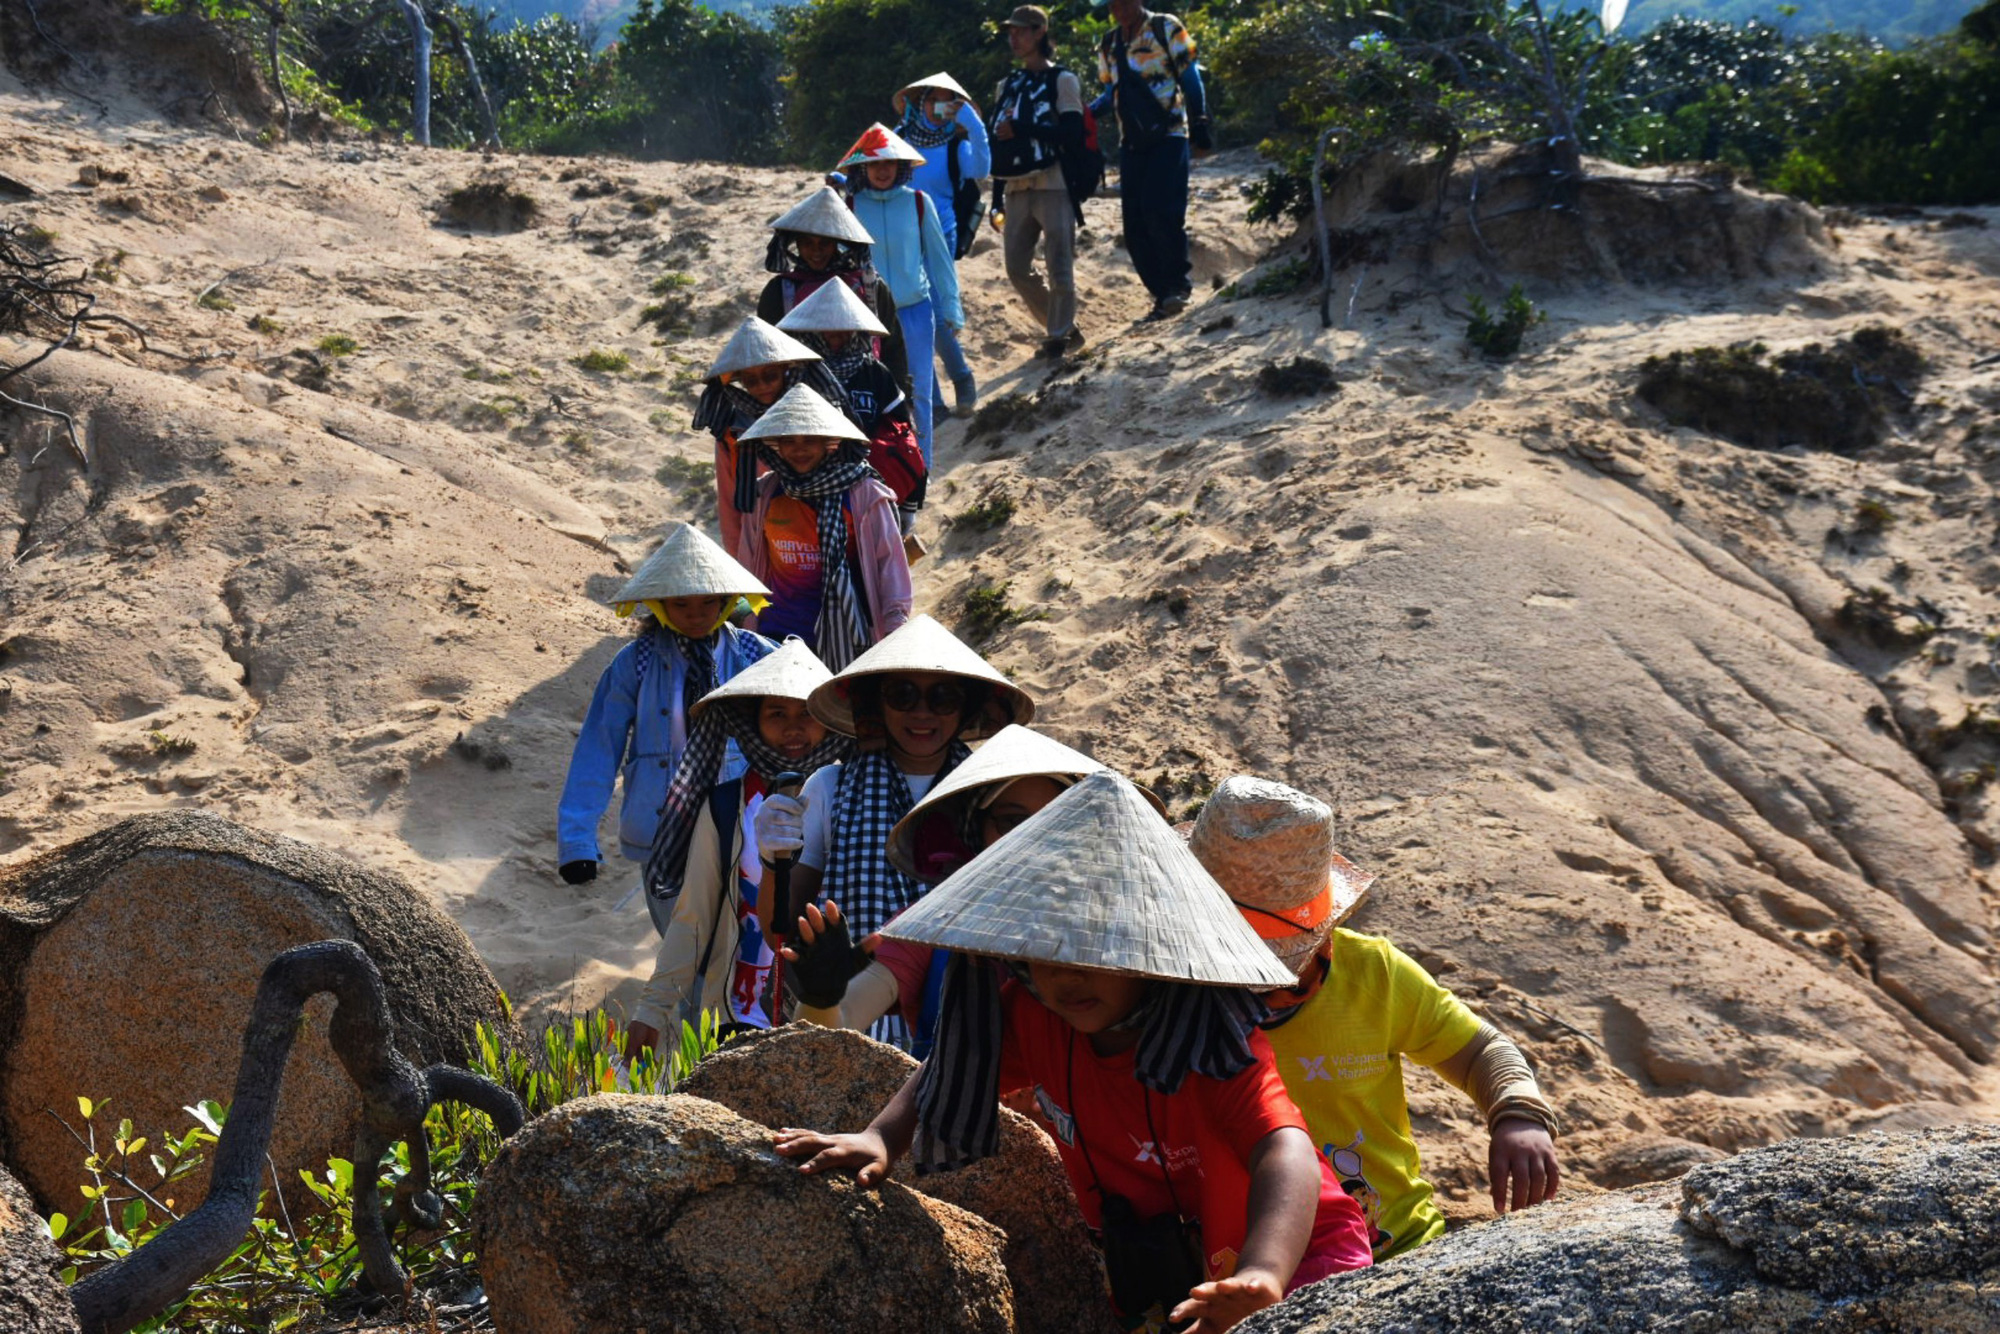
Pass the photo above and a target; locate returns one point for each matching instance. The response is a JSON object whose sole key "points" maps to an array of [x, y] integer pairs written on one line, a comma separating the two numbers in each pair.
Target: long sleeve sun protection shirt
{"points": [[910, 251], [637, 729], [975, 161]]}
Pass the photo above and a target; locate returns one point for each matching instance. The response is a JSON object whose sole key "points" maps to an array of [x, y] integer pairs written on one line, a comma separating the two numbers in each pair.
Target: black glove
{"points": [[1200, 135], [819, 977], [577, 872]]}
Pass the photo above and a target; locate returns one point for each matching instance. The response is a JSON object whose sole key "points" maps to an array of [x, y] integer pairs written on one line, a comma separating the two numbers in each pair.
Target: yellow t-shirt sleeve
{"points": [[1426, 1022]]}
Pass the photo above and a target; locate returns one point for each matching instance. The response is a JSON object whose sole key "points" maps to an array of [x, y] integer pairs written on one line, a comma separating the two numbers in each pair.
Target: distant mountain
{"points": [[607, 16], [1889, 20]]}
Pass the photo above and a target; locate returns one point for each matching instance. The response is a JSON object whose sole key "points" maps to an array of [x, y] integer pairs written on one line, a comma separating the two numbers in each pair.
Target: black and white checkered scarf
{"points": [[868, 800], [1186, 1028], [666, 864], [841, 634]]}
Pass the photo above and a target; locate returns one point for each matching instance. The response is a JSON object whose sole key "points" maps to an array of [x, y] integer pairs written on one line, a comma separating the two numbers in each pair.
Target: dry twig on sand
{"points": [[40, 298]]}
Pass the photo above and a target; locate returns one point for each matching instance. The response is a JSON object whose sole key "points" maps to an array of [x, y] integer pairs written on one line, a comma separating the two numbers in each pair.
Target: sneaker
{"points": [[940, 411], [1075, 339], [1173, 305], [1051, 349], [966, 391]]}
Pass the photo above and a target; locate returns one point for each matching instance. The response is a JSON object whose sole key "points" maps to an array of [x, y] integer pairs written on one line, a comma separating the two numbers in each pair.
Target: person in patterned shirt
{"points": [[1147, 64]]}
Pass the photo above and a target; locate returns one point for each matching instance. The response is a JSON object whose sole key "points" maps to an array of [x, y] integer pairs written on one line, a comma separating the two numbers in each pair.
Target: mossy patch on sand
{"points": [[1836, 396]]}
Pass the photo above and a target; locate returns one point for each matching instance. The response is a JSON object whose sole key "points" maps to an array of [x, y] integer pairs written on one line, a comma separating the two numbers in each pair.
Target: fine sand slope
{"points": [[1577, 681]]}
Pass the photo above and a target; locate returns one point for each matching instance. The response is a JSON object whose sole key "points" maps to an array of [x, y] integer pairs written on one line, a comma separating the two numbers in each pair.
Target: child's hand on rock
{"points": [[1215, 1307], [1522, 1165], [863, 1154]]}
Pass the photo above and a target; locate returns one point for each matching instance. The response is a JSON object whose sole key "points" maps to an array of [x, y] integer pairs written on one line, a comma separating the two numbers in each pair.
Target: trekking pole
{"points": [[783, 911]]}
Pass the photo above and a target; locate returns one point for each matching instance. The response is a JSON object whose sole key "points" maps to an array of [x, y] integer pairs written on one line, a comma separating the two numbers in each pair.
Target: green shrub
{"points": [[602, 362], [990, 511], [338, 345], [1499, 336]]}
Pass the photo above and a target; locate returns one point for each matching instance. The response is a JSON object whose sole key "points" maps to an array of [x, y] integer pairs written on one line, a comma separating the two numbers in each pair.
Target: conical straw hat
{"points": [[822, 213], [803, 412], [937, 80], [832, 308], [921, 645], [879, 143], [1271, 849], [687, 565], [790, 673], [1095, 879], [756, 343], [1014, 752]]}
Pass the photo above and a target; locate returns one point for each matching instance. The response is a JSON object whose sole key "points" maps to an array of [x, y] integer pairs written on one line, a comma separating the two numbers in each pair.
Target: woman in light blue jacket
{"points": [[910, 253], [940, 121]]}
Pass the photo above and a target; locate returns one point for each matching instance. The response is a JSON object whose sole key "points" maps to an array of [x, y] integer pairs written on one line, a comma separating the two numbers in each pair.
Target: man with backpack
{"points": [[1147, 62], [1037, 135]]}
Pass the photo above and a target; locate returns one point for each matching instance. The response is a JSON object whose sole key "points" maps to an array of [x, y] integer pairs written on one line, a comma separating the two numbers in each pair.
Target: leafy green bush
{"points": [[1499, 336], [287, 1268]]}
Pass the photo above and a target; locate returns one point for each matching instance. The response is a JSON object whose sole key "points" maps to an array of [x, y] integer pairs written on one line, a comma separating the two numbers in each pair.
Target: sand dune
{"points": [[1577, 680]]}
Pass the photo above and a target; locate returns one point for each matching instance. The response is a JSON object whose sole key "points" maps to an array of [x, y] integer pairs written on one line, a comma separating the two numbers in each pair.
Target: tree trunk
{"points": [[456, 30], [420, 41]]}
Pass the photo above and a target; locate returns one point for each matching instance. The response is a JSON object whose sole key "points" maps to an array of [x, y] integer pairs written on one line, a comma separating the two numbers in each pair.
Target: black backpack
{"points": [[967, 204]]}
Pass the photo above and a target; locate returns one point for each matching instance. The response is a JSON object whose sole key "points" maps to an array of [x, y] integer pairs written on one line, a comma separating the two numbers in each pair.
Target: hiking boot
{"points": [[1075, 339], [966, 391], [1173, 305], [1051, 349]]}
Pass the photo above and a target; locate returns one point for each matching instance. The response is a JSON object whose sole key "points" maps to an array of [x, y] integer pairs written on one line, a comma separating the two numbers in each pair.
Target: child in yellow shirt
{"points": [[1360, 1005]]}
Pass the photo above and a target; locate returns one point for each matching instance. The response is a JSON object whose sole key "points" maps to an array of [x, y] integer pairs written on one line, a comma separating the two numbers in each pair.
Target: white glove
{"points": [[780, 827]]}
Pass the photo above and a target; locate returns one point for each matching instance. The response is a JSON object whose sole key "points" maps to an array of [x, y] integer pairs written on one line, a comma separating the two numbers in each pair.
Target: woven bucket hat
{"points": [[832, 308], [823, 213], [1014, 752], [1271, 847], [803, 412], [922, 645], [790, 673], [879, 143], [756, 343], [1095, 879], [938, 80], [686, 565]]}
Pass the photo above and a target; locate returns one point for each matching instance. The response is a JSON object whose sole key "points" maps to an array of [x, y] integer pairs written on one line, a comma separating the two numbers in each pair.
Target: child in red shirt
{"points": [[1170, 1117]]}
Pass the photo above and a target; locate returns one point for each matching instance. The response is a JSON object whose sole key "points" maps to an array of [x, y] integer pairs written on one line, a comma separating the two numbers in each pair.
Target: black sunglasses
{"points": [[944, 697]]}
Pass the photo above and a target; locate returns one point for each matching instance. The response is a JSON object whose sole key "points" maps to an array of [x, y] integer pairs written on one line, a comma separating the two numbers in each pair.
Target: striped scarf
{"points": [[869, 799], [666, 865], [698, 656], [841, 634], [1185, 1028]]}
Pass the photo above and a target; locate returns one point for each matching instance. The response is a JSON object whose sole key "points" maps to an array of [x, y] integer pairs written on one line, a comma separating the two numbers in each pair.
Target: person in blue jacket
{"points": [[940, 121], [910, 253], [637, 724]]}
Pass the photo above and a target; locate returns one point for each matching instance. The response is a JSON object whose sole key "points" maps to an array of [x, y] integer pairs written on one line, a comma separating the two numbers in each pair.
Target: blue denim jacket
{"points": [[636, 726]]}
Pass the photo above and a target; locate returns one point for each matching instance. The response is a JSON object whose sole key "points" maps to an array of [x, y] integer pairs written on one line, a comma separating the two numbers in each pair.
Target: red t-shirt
{"points": [[1206, 1132]]}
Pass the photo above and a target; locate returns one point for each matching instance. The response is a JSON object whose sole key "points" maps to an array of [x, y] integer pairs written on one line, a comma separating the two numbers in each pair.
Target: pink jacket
{"points": [[878, 542]]}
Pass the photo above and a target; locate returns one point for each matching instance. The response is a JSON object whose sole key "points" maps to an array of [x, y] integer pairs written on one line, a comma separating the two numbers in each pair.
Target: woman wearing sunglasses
{"points": [[912, 702], [753, 371]]}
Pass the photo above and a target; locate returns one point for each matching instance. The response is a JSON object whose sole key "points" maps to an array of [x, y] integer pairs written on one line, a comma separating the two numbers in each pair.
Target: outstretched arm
{"points": [[1284, 1198], [870, 1154], [1521, 1161]]}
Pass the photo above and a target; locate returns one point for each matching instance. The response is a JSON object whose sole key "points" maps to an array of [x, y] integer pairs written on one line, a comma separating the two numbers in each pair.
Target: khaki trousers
{"points": [[1046, 216]]}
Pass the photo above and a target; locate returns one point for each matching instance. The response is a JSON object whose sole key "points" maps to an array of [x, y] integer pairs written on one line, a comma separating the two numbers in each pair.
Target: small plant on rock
{"points": [[987, 611], [338, 345], [1872, 516]]}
